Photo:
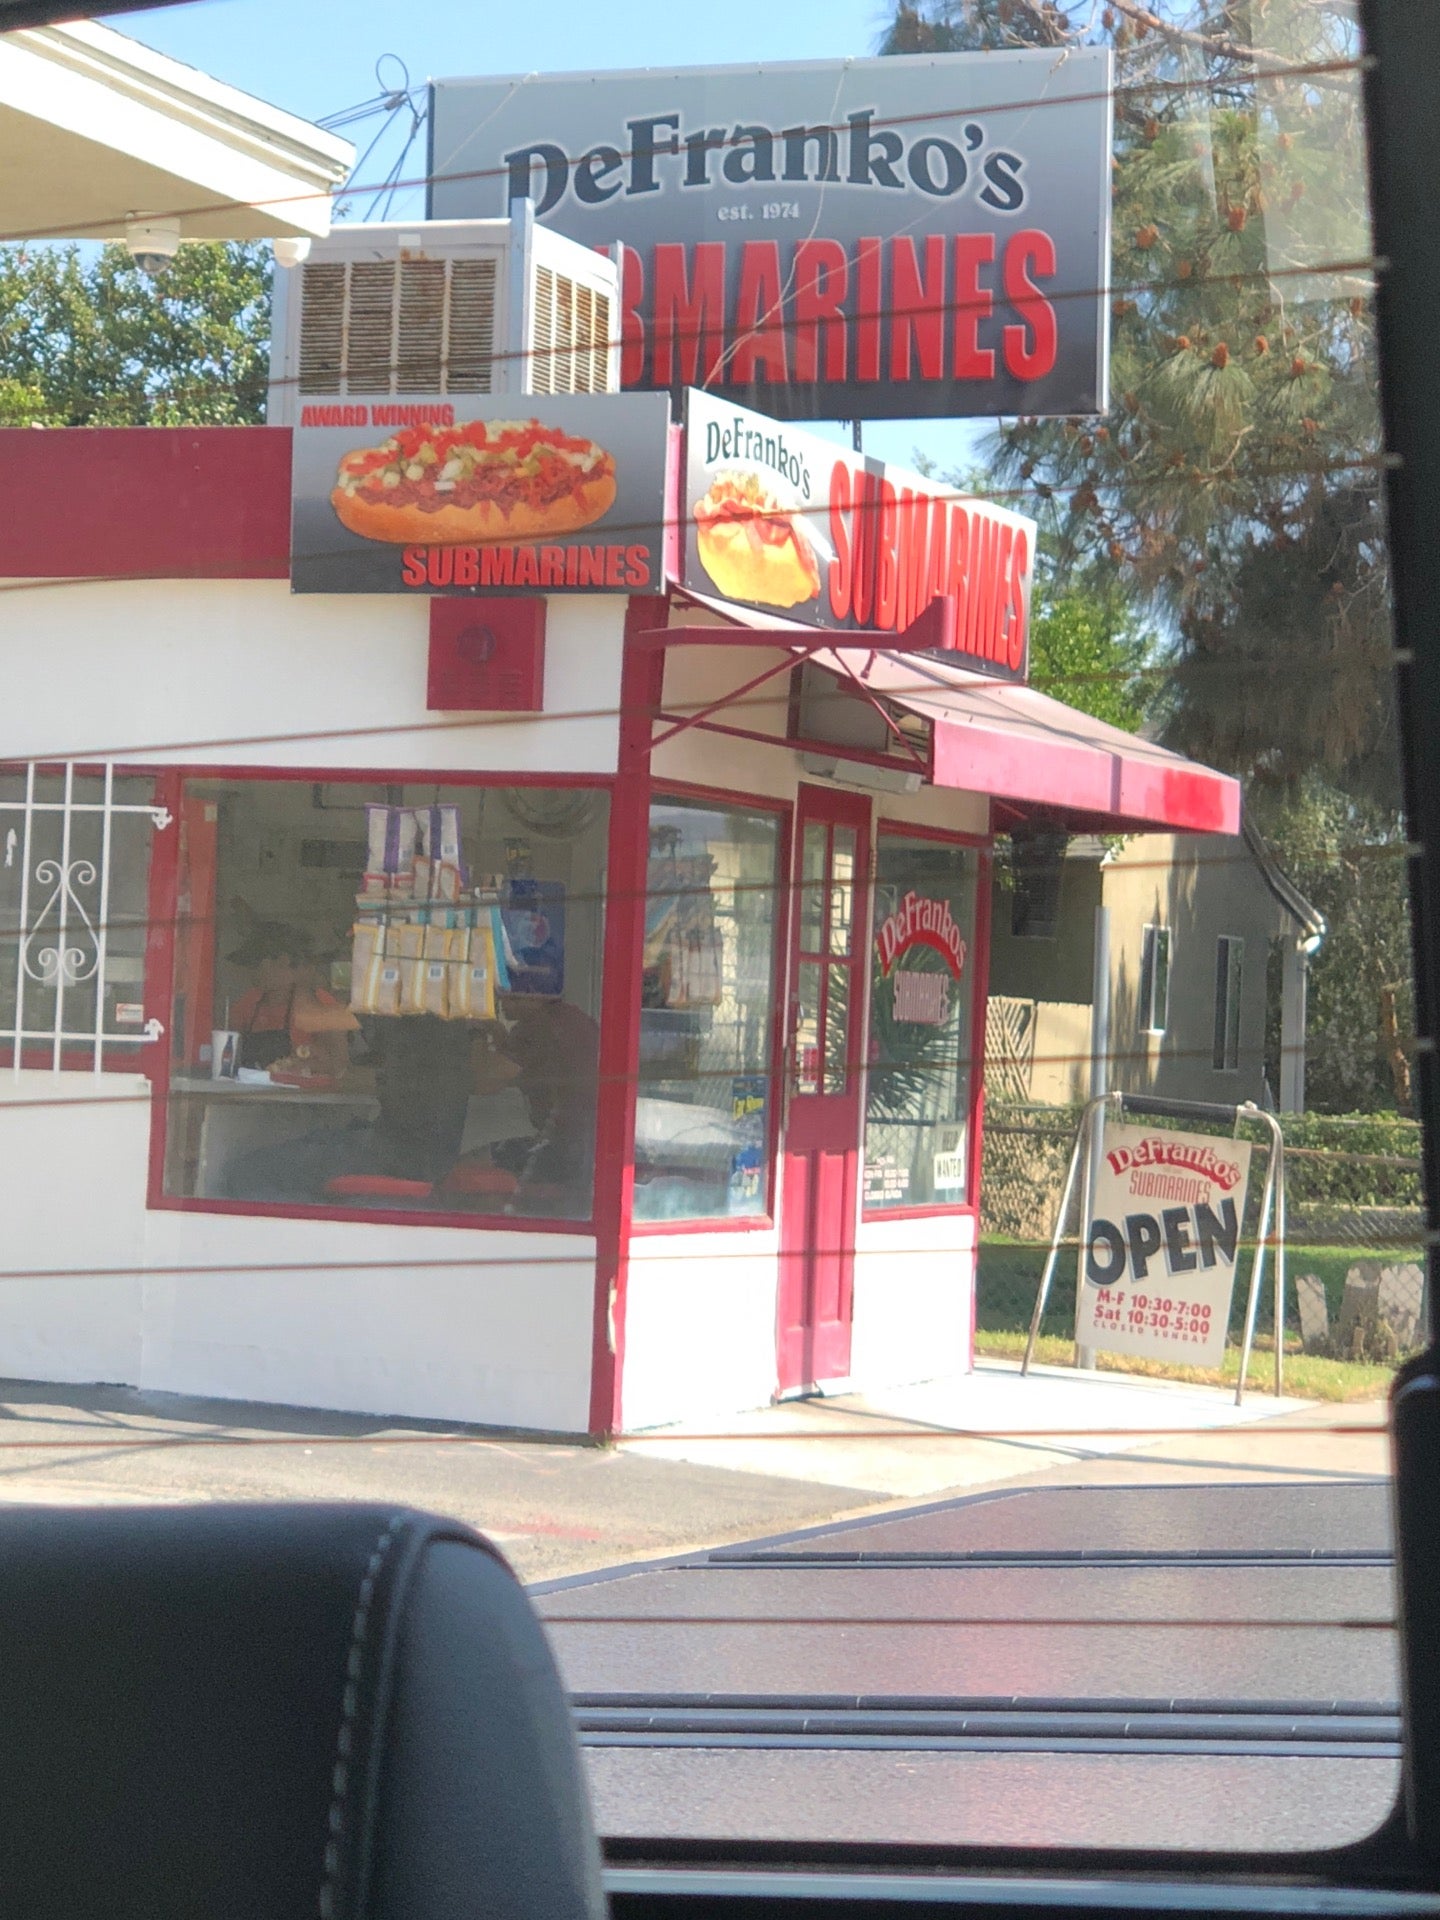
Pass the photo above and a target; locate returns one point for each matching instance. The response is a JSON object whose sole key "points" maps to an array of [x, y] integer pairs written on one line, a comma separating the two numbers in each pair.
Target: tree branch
{"points": [[1226, 49]]}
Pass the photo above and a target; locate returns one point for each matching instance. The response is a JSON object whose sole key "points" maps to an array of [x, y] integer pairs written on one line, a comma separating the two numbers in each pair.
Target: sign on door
{"points": [[1157, 1263]]}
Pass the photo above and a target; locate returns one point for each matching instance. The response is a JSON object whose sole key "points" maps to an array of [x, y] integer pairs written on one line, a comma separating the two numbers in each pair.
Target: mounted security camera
{"points": [[291, 250], [153, 242]]}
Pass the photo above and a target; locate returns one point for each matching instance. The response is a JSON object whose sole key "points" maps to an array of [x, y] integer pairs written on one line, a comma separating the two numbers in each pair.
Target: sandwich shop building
{"points": [[533, 976]]}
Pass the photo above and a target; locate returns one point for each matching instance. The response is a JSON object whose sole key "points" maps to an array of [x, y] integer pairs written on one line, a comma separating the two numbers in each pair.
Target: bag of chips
{"points": [[438, 966]]}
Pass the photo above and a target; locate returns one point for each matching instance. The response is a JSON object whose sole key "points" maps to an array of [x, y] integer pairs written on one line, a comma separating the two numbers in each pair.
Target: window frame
{"points": [[764, 1220], [984, 845], [1229, 967], [170, 782], [1150, 938]]}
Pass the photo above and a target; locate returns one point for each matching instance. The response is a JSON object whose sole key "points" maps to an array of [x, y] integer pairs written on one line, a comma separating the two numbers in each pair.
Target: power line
{"points": [[1145, 89]]}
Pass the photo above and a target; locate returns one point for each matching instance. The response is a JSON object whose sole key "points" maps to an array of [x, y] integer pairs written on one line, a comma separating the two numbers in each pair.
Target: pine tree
{"points": [[1234, 486], [1233, 491]]}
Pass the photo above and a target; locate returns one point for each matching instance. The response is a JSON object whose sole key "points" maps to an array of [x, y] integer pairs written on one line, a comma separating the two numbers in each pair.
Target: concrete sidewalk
{"points": [[560, 1509], [968, 1430]]}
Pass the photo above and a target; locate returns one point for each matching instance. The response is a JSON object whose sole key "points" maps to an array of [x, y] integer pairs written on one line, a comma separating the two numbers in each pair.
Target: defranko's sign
{"points": [[784, 521], [1157, 1267], [836, 239]]}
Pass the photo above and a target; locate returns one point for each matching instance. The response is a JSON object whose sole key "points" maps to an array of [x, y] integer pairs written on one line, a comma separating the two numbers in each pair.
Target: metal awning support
{"points": [[934, 628], [984, 734]]}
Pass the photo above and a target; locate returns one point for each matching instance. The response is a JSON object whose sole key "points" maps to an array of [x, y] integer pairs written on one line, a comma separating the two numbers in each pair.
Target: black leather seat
{"points": [[281, 1713]]}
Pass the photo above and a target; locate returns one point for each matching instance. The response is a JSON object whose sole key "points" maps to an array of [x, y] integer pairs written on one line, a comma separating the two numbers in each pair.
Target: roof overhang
{"points": [[95, 127]]}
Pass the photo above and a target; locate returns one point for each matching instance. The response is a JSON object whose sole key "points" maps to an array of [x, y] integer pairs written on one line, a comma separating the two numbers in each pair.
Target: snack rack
{"points": [[430, 939]]}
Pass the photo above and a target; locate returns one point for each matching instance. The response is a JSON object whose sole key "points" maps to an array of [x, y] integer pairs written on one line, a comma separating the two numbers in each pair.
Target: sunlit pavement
{"points": [[913, 1441], [563, 1509]]}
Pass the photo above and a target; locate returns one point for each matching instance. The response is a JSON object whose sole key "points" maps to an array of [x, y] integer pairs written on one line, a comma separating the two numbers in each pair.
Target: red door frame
{"points": [[822, 1143], [642, 681]]}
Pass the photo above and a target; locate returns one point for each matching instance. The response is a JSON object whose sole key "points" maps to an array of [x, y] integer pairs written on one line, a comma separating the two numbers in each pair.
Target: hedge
{"points": [[1333, 1161]]}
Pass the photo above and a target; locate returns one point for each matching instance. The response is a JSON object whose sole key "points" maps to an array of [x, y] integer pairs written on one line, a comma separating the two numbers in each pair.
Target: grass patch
{"points": [[1010, 1273], [1308, 1376]]}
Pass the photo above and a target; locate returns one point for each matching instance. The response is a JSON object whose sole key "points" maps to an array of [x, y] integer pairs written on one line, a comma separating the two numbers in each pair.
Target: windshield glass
{"points": [[719, 881]]}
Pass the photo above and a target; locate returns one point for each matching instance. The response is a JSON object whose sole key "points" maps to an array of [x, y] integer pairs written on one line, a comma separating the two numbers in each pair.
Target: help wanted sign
{"points": [[1157, 1267]]}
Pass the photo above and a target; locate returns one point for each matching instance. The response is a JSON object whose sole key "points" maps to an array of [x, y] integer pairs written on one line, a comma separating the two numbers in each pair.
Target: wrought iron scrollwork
{"points": [[61, 964]]}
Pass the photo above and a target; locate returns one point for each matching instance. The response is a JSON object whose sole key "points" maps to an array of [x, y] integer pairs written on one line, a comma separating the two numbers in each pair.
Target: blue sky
{"points": [[316, 57]]}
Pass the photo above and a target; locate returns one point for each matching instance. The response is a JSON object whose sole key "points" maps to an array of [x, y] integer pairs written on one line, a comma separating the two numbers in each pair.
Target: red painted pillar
{"points": [[641, 682]]}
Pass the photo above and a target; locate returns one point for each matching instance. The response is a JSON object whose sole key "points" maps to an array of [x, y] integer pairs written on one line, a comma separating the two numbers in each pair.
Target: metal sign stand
{"points": [[1273, 1198]]}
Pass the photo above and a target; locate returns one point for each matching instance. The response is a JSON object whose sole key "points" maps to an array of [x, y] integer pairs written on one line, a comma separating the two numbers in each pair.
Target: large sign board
{"points": [[858, 239], [788, 523], [455, 494], [1157, 1266]]}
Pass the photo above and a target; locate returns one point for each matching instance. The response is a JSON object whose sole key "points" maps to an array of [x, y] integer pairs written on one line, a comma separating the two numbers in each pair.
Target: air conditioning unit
{"points": [[446, 306]]}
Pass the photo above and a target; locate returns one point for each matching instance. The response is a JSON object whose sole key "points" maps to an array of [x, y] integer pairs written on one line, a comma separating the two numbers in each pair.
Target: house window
{"points": [[1229, 975], [922, 991], [702, 1114], [1155, 979], [387, 996], [74, 916]]}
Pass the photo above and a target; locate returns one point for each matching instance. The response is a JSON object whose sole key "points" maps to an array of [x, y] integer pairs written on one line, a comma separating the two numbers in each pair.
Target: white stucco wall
{"points": [[449, 1323], [914, 1287], [243, 672], [435, 1322], [700, 1325]]}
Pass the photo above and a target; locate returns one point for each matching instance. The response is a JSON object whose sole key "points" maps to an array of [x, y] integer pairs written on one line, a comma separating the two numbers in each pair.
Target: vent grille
{"points": [[472, 325], [571, 347], [592, 339], [370, 335], [397, 326], [542, 364], [322, 328], [420, 335]]}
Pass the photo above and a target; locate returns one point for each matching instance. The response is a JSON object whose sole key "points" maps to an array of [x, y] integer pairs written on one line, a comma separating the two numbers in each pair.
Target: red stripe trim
{"points": [[145, 503]]}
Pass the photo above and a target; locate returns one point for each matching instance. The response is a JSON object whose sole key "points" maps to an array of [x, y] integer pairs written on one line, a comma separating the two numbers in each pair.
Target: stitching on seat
{"points": [[349, 1713]]}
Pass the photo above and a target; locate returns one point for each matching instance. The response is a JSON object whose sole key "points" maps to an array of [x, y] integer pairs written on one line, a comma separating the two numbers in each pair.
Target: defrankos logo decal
{"points": [[478, 495], [918, 922], [699, 159], [739, 438], [920, 998], [779, 518], [831, 239], [1161, 1245]]}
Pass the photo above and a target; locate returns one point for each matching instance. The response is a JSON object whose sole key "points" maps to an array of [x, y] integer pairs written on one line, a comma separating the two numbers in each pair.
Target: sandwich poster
{"points": [[828, 239], [479, 494], [790, 524]]}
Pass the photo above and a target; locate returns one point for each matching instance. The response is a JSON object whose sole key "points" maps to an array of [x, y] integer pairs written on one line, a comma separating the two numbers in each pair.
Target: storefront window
{"points": [[921, 1022], [702, 1116], [387, 996]]}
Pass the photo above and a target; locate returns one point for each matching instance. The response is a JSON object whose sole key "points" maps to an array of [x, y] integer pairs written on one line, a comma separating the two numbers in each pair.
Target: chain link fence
{"points": [[1354, 1241]]}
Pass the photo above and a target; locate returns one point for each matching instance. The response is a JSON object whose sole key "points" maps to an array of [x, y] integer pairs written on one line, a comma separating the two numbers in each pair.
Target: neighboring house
{"points": [[1193, 924]]}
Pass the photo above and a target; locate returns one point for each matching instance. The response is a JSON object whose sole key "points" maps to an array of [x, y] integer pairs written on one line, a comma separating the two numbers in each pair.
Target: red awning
{"points": [[1018, 745]]}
